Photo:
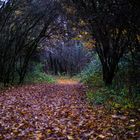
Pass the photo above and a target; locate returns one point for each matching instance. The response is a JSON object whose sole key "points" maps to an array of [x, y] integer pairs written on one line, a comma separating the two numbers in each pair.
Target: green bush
{"points": [[124, 92], [96, 98], [92, 74], [112, 98], [37, 75]]}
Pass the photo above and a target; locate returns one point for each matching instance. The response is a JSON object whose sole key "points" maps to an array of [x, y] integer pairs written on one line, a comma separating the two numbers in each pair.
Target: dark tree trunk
{"points": [[108, 76]]}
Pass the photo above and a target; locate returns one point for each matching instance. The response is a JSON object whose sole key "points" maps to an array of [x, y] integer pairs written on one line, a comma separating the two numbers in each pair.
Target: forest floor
{"points": [[60, 112]]}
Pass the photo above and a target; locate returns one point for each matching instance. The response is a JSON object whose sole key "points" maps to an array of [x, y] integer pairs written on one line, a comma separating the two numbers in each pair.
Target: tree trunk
{"points": [[108, 75]]}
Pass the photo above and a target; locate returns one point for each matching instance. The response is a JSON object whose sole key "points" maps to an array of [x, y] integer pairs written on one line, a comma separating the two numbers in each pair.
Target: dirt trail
{"points": [[67, 81], [56, 111], [52, 112]]}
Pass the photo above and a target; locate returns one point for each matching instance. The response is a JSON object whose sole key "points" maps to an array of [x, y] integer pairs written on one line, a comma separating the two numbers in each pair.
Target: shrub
{"points": [[92, 74], [112, 98], [124, 91], [37, 75]]}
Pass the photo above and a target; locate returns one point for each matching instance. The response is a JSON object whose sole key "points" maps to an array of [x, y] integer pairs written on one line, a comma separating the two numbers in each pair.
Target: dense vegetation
{"points": [[115, 27], [122, 94], [23, 25]]}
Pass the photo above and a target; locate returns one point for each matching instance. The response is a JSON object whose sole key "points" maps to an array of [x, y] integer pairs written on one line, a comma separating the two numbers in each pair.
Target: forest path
{"points": [[67, 80], [46, 111], [53, 112]]}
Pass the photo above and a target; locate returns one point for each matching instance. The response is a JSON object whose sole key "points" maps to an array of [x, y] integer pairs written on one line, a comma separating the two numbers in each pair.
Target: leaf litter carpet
{"points": [[55, 112]]}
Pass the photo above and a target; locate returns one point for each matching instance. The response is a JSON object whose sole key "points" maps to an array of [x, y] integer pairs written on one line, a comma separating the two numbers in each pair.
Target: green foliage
{"points": [[92, 74], [122, 94], [95, 80], [112, 98], [38, 75], [96, 98]]}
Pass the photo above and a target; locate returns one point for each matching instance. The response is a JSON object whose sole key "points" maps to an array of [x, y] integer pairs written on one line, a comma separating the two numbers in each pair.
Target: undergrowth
{"points": [[37, 75], [113, 98], [118, 96], [92, 74]]}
